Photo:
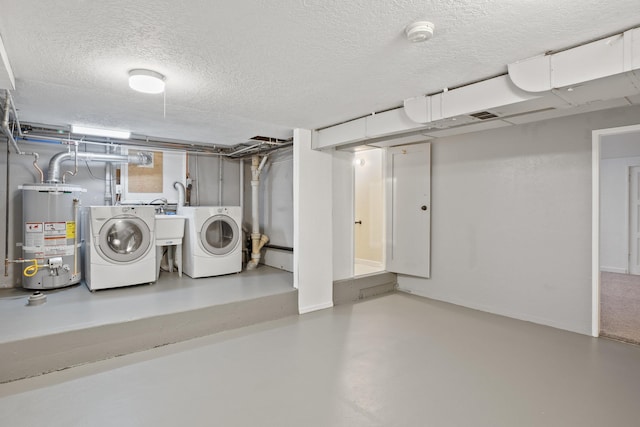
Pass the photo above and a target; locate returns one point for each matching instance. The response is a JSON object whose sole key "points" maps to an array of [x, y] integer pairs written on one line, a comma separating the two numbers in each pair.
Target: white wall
{"points": [[614, 209], [312, 224], [511, 220], [342, 200]]}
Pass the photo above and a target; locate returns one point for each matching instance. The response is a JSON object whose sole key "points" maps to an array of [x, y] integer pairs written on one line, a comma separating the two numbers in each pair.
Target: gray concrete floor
{"points": [[397, 360], [76, 307]]}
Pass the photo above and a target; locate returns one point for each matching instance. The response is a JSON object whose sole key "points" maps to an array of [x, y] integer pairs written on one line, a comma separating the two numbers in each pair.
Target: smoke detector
{"points": [[419, 31]]}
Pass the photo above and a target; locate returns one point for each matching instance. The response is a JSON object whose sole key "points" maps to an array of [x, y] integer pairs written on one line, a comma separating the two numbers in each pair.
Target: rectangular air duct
{"points": [[597, 75]]}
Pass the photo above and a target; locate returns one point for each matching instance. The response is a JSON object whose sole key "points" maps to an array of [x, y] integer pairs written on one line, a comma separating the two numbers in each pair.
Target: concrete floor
{"points": [[396, 360], [360, 269], [76, 307]]}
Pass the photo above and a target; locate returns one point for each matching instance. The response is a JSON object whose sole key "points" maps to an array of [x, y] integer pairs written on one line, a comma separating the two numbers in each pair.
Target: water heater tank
{"points": [[50, 237]]}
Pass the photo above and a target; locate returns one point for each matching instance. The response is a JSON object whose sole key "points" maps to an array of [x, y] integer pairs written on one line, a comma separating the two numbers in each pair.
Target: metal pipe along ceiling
{"points": [[8, 107]]}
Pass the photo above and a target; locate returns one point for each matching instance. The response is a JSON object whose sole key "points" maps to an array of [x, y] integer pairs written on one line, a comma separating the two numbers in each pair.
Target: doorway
{"points": [[616, 223], [368, 229]]}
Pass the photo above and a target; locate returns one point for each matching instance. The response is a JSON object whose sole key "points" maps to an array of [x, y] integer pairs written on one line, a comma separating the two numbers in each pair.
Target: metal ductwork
{"points": [[55, 164]]}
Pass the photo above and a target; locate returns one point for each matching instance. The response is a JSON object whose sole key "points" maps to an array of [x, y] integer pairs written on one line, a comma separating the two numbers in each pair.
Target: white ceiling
{"points": [[244, 68]]}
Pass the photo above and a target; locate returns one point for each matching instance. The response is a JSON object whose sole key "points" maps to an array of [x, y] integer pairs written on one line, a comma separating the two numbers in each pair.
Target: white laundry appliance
{"points": [[212, 244], [119, 246]]}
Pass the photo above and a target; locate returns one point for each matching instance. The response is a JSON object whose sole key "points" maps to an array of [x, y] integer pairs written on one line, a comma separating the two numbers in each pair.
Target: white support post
{"points": [[312, 224]]}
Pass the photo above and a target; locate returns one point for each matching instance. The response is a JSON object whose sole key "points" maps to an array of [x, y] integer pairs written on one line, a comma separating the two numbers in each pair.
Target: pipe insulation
{"points": [[8, 107], [257, 240], [55, 164], [181, 193]]}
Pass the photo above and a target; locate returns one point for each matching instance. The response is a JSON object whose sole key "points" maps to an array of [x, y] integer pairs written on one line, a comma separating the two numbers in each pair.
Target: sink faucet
{"points": [[161, 209]]}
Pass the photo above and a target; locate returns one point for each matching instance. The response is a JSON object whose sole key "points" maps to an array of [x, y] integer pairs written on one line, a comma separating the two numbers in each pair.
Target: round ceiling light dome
{"points": [[146, 81], [419, 31]]}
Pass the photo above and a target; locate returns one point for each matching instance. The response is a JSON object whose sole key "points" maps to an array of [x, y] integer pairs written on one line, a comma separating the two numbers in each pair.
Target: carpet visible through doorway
{"points": [[620, 306]]}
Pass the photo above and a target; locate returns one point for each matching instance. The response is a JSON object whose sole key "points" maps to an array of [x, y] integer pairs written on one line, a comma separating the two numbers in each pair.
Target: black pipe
{"points": [[281, 248]]}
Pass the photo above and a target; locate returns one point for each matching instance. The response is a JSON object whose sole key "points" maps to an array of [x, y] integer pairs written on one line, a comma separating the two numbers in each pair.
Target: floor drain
{"points": [[37, 298]]}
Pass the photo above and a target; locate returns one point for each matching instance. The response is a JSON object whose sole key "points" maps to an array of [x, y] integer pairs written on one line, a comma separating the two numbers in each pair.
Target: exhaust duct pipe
{"points": [[55, 164]]}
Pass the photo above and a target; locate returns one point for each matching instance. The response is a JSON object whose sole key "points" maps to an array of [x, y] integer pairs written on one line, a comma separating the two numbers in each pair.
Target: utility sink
{"points": [[169, 227]]}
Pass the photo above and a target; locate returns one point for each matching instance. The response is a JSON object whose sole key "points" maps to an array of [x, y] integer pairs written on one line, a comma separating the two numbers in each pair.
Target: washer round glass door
{"points": [[124, 238], [219, 235]]}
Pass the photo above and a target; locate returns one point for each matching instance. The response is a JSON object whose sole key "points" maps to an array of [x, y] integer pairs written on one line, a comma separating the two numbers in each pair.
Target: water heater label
{"points": [[55, 238], [55, 228], [71, 229], [34, 234]]}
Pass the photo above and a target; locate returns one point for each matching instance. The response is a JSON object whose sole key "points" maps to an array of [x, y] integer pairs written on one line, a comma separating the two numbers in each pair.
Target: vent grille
{"points": [[483, 115], [267, 139]]}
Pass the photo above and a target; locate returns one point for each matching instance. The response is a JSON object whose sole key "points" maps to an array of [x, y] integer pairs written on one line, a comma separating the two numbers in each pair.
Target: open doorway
{"points": [[617, 233], [368, 212]]}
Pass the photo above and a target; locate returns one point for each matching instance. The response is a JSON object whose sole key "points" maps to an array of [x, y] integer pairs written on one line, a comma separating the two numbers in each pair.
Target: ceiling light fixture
{"points": [[81, 130], [146, 81], [419, 31]]}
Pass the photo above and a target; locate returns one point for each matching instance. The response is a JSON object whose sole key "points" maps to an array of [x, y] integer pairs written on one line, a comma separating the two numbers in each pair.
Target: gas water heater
{"points": [[50, 245]]}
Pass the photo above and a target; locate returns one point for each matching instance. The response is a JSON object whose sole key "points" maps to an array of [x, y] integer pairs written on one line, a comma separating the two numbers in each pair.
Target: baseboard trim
{"points": [[316, 307], [614, 270], [585, 330]]}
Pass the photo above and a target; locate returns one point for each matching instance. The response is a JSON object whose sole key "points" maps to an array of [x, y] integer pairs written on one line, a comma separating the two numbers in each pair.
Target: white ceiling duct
{"points": [[598, 75]]}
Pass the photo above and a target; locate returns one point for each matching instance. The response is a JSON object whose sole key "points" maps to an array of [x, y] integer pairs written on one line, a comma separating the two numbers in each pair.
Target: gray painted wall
{"points": [[205, 172], [511, 220]]}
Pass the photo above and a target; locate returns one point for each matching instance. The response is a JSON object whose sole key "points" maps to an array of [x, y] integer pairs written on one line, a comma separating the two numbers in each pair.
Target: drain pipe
{"points": [[181, 192], [257, 240], [55, 164], [5, 129], [109, 197]]}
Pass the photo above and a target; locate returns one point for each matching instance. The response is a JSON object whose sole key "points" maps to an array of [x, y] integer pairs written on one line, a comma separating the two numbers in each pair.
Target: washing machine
{"points": [[212, 244], [119, 246]]}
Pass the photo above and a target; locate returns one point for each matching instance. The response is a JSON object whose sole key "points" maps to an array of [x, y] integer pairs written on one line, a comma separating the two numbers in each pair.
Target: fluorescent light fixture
{"points": [[81, 130], [146, 81]]}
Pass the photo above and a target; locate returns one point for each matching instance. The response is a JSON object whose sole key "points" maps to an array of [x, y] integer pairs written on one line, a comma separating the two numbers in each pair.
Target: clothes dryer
{"points": [[119, 246], [212, 240]]}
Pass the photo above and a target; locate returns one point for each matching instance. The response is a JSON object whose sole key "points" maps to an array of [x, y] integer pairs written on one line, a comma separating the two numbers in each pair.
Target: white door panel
{"points": [[409, 209], [634, 215]]}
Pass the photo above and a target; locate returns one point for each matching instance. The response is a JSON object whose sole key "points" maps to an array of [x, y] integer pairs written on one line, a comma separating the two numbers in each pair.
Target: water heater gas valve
{"points": [[55, 263]]}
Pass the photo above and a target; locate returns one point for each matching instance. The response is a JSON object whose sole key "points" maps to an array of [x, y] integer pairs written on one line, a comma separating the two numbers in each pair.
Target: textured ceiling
{"points": [[241, 68]]}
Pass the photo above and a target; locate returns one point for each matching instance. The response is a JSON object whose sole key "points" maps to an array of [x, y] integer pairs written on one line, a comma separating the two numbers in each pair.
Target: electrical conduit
{"points": [[5, 129]]}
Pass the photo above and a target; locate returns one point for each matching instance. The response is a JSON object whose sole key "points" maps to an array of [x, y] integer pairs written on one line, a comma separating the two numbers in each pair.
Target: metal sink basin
{"points": [[169, 227]]}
